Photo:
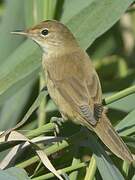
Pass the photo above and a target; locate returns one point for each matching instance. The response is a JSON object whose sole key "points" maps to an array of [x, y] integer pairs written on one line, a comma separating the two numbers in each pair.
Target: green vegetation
{"points": [[106, 29]]}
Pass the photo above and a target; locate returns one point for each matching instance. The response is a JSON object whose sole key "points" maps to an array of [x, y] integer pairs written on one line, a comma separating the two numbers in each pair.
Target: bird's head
{"points": [[50, 34]]}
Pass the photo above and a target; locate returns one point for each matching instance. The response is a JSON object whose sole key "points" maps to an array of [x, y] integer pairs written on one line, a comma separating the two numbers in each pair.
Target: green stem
{"points": [[52, 6], [74, 175], [64, 170], [49, 9], [46, 5], [122, 68], [37, 168], [54, 148], [48, 13], [41, 130], [50, 127], [42, 113], [35, 12], [91, 170], [48, 151], [119, 95], [125, 168]]}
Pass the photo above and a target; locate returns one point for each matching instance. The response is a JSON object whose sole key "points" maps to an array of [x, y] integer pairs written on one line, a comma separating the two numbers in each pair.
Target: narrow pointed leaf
{"points": [[127, 126], [95, 19]]}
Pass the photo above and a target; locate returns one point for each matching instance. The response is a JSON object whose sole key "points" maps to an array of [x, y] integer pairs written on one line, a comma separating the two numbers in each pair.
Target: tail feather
{"points": [[111, 139]]}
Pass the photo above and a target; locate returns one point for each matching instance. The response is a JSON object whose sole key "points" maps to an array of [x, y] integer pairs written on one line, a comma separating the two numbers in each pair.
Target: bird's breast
{"points": [[58, 99]]}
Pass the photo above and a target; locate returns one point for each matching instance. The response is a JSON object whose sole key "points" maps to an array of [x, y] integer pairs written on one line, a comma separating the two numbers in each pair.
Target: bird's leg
{"points": [[98, 110]]}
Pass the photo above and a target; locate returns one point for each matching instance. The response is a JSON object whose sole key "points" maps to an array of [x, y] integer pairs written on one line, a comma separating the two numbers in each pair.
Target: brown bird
{"points": [[73, 83]]}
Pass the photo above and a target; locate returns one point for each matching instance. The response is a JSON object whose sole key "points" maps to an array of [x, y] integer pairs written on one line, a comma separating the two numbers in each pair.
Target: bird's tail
{"points": [[111, 139]]}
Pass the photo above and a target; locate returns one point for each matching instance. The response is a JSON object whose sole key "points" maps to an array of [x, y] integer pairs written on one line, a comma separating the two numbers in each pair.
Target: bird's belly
{"points": [[63, 106]]}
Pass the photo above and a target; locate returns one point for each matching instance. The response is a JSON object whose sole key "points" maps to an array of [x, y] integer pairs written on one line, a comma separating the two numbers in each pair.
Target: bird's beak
{"points": [[18, 32]]}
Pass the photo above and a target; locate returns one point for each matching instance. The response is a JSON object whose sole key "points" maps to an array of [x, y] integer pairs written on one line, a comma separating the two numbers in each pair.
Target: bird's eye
{"points": [[44, 32]]}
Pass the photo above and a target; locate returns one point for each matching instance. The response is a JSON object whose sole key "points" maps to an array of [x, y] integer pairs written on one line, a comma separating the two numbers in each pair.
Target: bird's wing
{"points": [[94, 87], [75, 93], [79, 87]]}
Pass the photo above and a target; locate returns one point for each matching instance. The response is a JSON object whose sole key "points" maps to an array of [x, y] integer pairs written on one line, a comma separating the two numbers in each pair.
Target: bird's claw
{"points": [[58, 122]]}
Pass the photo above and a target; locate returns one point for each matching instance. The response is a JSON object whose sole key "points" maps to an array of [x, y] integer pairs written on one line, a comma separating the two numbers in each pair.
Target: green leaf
{"points": [[119, 83], [95, 19], [33, 107], [14, 174], [133, 178], [10, 23], [51, 106], [103, 46], [36, 11], [12, 19], [127, 125], [130, 141], [105, 166], [125, 104], [14, 111], [15, 136], [70, 9], [20, 68]]}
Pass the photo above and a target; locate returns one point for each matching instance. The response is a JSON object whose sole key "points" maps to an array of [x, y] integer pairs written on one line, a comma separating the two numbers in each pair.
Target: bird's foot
{"points": [[58, 122]]}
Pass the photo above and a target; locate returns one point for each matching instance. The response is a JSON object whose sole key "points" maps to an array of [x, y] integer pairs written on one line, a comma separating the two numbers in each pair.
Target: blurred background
{"points": [[106, 30]]}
